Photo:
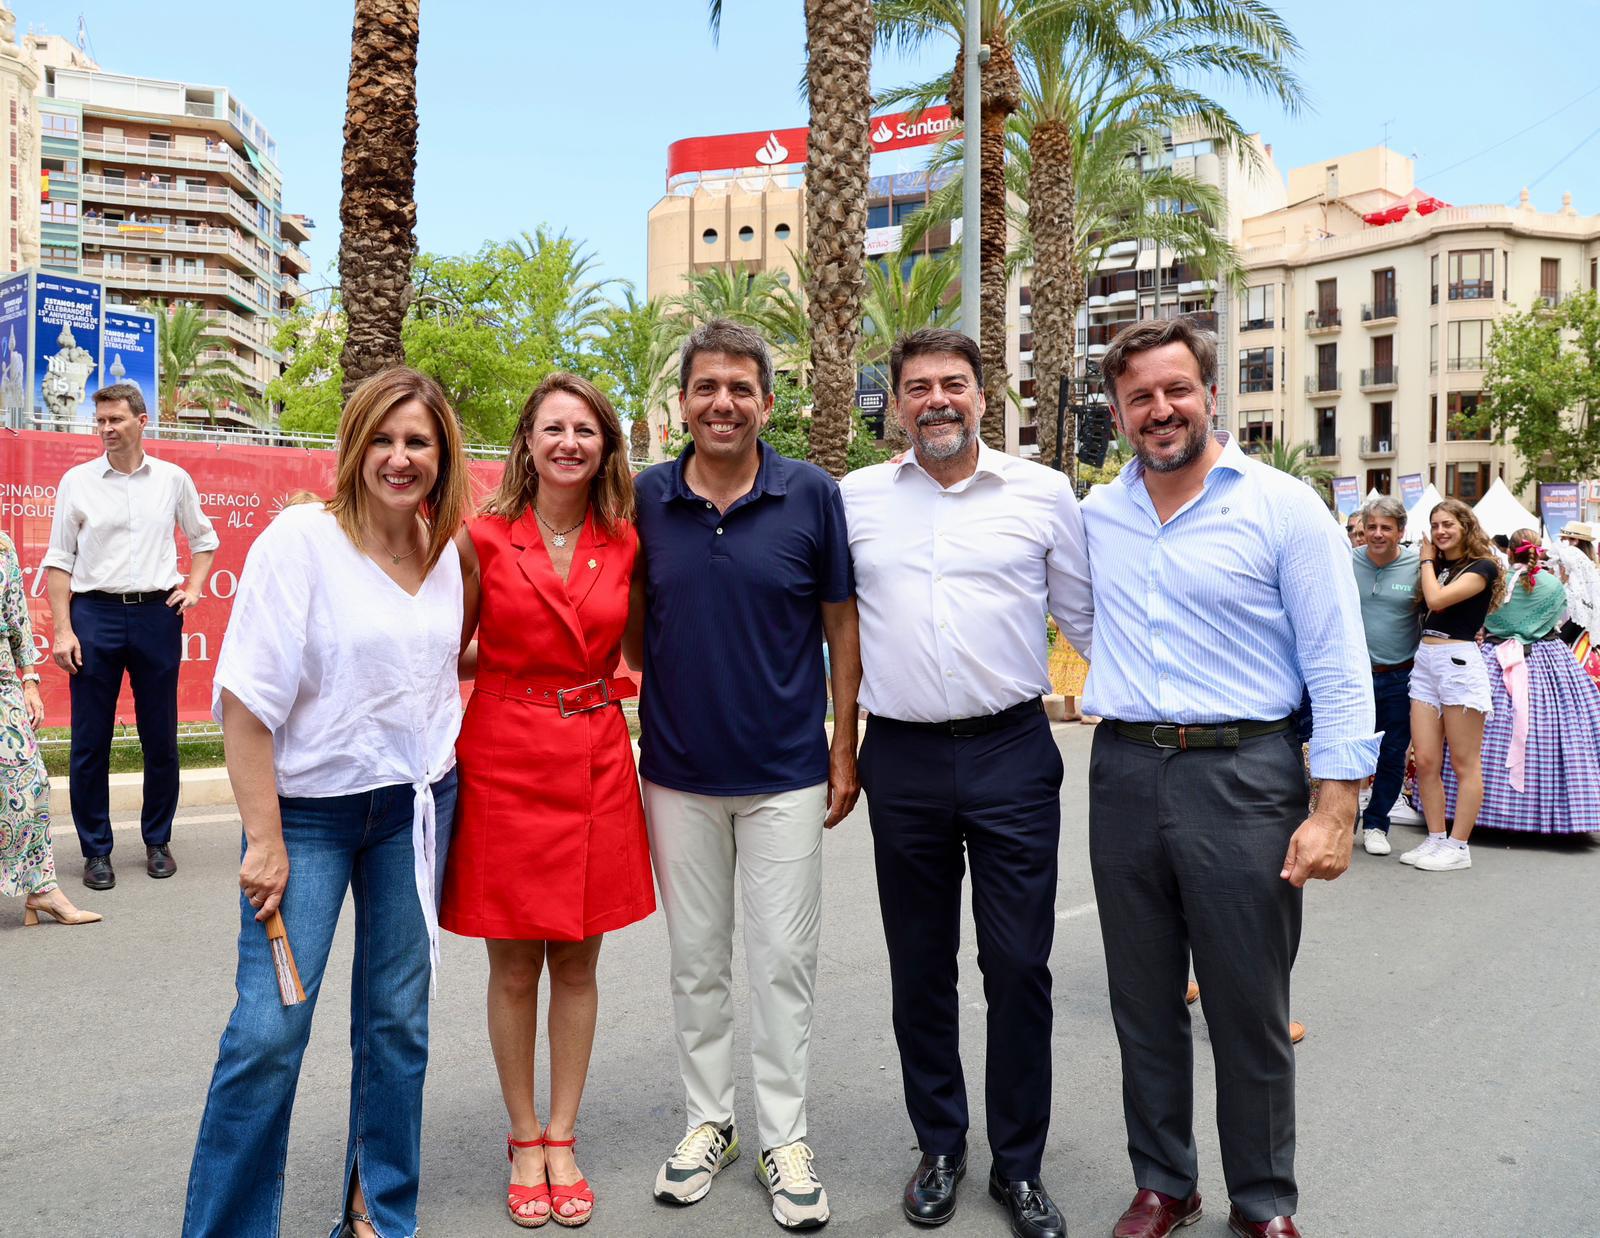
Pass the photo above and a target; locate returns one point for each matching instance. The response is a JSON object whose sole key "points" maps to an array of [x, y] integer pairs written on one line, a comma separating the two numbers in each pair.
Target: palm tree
{"points": [[1296, 461], [898, 303], [635, 343], [908, 25], [188, 378], [378, 209], [1103, 73], [838, 81], [738, 294]]}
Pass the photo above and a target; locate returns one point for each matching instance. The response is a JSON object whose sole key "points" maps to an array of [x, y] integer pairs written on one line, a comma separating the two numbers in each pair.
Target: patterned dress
{"points": [[27, 865]]}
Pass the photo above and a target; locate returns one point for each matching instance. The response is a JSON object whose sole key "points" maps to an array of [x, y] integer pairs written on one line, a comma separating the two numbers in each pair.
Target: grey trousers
{"points": [[1186, 848]]}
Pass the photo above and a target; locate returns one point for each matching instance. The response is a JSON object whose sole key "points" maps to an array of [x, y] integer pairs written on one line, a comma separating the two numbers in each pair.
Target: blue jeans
{"points": [[336, 843], [1391, 693]]}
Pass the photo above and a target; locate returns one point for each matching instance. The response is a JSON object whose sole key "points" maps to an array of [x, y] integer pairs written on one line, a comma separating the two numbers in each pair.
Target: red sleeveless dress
{"points": [[549, 839]]}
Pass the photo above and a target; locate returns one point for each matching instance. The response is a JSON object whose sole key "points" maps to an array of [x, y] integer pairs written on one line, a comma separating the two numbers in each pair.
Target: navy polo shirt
{"points": [[733, 700]]}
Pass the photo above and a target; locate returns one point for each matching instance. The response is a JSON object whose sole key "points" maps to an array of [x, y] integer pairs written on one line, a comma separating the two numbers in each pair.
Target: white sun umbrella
{"points": [[1500, 513], [1417, 515]]}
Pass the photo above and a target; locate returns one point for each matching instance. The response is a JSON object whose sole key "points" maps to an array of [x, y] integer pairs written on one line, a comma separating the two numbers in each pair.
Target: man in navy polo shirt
{"points": [[744, 571]]}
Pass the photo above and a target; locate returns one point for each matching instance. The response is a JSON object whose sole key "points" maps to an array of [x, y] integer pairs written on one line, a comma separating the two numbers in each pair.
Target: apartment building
{"points": [[1365, 319], [19, 147], [168, 191]]}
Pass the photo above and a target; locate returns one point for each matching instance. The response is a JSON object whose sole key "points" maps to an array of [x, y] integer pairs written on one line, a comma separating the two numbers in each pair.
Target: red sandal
{"points": [[572, 1192], [519, 1196]]}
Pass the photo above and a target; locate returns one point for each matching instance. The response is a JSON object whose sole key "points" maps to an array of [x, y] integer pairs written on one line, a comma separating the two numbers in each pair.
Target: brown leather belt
{"points": [[1379, 669], [577, 699], [1197, 735]]}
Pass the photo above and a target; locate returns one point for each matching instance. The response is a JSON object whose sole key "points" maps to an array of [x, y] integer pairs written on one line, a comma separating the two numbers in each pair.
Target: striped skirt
{"points": [[1561, 779]]}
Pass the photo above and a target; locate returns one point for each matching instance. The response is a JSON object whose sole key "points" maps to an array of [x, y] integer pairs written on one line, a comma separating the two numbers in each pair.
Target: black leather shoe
{"points": [[1033, 1213], [159, 862], [98, 873], [930, 1197]]}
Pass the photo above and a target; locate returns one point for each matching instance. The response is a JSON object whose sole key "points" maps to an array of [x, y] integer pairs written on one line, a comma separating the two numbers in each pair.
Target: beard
{"points": [[1193, 446], [944, 447]]}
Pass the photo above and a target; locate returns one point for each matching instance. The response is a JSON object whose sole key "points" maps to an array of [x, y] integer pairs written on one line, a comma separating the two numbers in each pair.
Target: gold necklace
{"points": [[393, 558]]}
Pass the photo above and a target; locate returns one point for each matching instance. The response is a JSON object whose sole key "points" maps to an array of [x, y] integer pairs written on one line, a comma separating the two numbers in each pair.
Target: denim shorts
{"points": [[1451, 674]]}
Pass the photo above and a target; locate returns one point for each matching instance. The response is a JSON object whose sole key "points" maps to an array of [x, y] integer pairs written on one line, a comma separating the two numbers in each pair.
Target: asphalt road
{"points": [[1447, 1086]]}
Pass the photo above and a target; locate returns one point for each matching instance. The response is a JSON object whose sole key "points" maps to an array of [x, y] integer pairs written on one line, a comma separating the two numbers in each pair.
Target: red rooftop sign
{"points": [[777, 147]]}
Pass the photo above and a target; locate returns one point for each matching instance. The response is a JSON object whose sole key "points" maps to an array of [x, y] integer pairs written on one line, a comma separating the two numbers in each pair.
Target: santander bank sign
{"points": [[774, 148]]}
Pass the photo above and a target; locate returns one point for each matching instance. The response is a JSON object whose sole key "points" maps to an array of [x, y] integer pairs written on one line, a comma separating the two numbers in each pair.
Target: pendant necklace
{"points": [[393, 558], [558, 537]]}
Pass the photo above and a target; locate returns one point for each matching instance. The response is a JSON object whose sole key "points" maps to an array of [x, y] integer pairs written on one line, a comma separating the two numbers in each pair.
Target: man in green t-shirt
{"points": [[1386, 578]]}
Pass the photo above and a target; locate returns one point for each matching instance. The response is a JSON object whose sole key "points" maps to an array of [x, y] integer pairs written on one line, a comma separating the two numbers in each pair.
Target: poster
{"points": [[66, 348], [241, 489], [1411, 488], [1558, 503], [1346, 495], [14, 316], [128, 355]]}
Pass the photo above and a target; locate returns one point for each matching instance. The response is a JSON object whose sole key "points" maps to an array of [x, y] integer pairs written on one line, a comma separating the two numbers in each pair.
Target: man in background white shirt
{"points": [[117, 600], [960, 552]]}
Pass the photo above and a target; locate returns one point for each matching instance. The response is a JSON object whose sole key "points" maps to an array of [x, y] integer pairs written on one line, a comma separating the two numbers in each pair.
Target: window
{"points": [[1467, 481], [709, 236], [1327, 443], [781, 232], [1458, 406], [877, 216], [905, 207], [1468, 341], [1255, 370], [1255, 312], [1471, 274], [1549, 280], [1327, 303], [1379, 480], [58, 255], [1327, 377], [1594, 274], [1433, 421], [58, 212], [53, 123], [747, 233], [1383, 299], [1383, 368], [1255, 431], [1433, 279], [1383, 426], [158, 138]]}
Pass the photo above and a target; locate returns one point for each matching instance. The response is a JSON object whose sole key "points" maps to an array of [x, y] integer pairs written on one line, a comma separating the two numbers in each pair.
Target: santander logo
{"points": [[772, 151], [882, 133]]}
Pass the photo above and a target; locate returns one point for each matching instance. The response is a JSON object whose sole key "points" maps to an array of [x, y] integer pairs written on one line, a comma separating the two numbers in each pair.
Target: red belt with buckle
{"points": [[573, 699]]}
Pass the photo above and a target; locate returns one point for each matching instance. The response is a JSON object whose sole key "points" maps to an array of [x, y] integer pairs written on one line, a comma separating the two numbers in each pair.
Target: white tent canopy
{"points": [[1374, 493], [1499, 512], [1417, 515]]}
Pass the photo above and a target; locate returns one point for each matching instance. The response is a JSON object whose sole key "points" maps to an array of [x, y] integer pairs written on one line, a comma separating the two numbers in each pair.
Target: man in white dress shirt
{"points": [[117, 600], [960, 552]]}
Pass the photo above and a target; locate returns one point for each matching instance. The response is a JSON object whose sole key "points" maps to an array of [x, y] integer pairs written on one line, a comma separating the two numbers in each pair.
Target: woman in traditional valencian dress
{"points": [[27, 864], [550, 850]]}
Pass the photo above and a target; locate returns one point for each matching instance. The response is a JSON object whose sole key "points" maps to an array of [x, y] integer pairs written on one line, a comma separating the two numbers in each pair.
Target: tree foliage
{"points": [[309, 389], [189, 379], [636, 348], [1542, 388]]}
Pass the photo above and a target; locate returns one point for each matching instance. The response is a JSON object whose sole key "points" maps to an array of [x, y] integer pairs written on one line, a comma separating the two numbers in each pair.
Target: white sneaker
{"points": [[1376, 842], [1420, 850], [699, 1157], [1404, 813], [1363, 798], [1444, 858], [798, 1200]]}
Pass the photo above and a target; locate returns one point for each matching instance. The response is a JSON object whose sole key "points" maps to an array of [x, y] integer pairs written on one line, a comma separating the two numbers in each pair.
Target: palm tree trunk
{"points": [[838, 73], [639, 437], [1057, 283], [378, 210]]}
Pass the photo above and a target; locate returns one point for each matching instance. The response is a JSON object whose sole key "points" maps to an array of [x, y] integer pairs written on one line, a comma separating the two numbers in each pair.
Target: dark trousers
{"points": [[145, 641], [1391, 693], [997, 796], [1186, 848]]}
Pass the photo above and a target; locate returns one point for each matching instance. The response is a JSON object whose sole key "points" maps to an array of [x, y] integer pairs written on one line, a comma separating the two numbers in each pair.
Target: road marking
{"points": [[65, 830], [1077, 913]]}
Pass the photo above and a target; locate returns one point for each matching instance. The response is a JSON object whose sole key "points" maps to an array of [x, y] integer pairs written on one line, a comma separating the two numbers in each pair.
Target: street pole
{"points": [[972, 107]]}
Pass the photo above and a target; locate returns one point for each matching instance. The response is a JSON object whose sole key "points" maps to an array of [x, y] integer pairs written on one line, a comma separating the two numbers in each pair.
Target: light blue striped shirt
{"points": [[1226, 612]]}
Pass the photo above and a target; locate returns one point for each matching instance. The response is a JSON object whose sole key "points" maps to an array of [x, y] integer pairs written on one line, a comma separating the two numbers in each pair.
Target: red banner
{"points": [[778, 147], [241, 489]]}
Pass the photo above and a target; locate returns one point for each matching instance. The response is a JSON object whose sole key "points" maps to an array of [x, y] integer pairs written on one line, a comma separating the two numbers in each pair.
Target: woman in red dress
{"points": [[550, 850]]}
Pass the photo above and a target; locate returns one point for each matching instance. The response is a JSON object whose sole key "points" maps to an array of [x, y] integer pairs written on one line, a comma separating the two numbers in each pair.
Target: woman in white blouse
{"points": [[336, 688]]}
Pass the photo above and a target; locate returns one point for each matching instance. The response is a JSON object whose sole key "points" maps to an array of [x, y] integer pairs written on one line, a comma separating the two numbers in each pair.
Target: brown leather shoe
{"points": [[1297, 1032], [1278, 1227], [1154, 1215], [1192, 994]]}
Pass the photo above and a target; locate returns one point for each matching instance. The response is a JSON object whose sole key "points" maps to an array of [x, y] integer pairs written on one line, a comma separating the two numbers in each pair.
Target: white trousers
{"points": [[773, 845]]}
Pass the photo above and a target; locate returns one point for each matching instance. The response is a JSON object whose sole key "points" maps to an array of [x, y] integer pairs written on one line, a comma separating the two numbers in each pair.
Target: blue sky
{"points": [[550, 112]]}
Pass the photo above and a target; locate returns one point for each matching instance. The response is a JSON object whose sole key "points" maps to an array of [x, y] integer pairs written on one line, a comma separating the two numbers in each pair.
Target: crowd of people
{"points": [[720, 577]]}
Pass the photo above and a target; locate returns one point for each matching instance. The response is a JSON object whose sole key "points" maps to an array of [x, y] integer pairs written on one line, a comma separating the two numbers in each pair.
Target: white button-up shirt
{"points": [[1230, 610], [113, 531], [953, 584]]}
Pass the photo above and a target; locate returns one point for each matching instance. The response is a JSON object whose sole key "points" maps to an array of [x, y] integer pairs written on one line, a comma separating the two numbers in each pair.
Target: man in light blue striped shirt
{"points": [[1222, 592]]}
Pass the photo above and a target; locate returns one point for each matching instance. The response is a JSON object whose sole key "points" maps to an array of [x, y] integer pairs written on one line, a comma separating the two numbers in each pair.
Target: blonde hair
{"points": [[611, 489], [446, 505]]}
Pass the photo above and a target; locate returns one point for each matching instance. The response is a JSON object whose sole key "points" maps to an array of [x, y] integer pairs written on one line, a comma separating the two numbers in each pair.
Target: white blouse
{"points": [[354, 677]]}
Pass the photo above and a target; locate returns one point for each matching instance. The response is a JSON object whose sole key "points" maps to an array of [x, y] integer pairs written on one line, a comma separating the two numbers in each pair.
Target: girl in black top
{"points": [[1459, 582]]}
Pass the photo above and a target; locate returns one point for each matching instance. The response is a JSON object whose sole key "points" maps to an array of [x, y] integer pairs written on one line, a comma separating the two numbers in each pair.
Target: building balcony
{"points": [[1472, 290], [1549, 298], [295, 257], [1255, 386], [1328, 382], [1126, 297], [1323, 449], [256, 335], [145, 237], [1458, 364], [1380, 312], [217, 157], [240, 364], [1320, 322], [1377, 448], [1258, 324], [1380, 377], [172, 281], [296, 228], [173, 197]]}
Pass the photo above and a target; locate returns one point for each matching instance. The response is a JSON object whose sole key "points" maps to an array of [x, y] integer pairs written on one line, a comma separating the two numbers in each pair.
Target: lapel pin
{"points": [[593, 564]]}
